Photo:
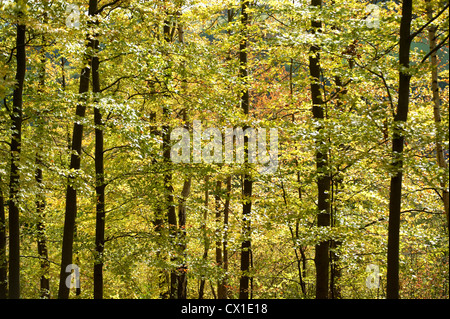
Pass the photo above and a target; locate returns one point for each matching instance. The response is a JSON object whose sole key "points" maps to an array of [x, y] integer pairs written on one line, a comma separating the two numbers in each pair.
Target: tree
{"points": [[401, 115], [77, 137], [99, 177], [247, 179], [432, 39], [321, 258], [16, 139], [40, 197], [398, 140], [3, 258]]}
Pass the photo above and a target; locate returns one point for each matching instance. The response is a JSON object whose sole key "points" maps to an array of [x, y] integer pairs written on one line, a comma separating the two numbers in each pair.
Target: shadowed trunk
{"points": [[75, 161], [395, 195], [321, 257], [15, 147]]}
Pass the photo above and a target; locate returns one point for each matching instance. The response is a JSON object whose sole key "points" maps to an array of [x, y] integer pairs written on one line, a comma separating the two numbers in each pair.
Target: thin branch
{"points": [[115, 147], [40, 257], [436, 48], [381, 76], [106, 5], [117, 81], [413, 35]]}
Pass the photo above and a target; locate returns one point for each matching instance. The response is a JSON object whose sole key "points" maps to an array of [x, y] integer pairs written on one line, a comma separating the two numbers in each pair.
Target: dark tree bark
{"points": [[75, 161], [226, 213], [171, 212], [182, 278], [41, 237], [205, 237], [392, 288], [247, 182], [99, 180], [321, 258], [40, 200], [221, 293], [15, 147], [3, 260]]}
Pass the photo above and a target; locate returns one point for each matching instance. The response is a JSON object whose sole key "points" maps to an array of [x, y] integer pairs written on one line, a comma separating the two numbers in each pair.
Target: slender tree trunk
{"points": [[182, 214], [3, 260], [75, 161], [226, 213], [182, 278], [226, 293], [40, 200], [221, 293], [16, 140], [437, 111], [392, 291], [205, 237], [100, 180], [321, 258], [41, 237], [171, 213], [247, 182]]}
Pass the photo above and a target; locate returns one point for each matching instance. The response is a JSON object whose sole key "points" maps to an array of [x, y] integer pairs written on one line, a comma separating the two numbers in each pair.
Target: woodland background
{"points": [[90, 91]]}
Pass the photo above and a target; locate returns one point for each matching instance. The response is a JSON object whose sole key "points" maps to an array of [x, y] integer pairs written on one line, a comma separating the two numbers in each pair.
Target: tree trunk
{"points": [[16, 140], [392, 291], [3, 260], [437, 111], [221, 293], [247, 182], [41, 237], [205, 237], [182, 278], [99, 180], [226, 213], [40, 200], [71, 193], [171, 213], [321, 258]]}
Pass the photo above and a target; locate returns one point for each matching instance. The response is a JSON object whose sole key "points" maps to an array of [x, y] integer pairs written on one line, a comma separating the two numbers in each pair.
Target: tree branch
{"points": [[436, 48], [106, 5], [413, 35]]}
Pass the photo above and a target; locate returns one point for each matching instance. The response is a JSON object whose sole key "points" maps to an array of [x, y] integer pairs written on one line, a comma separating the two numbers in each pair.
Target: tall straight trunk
{"points": [[182, 214], [41, 237], [171, 213], [3, 260], [221, 293], [247, 182], [40, 200], [226, 213], [182, 278], [224, 292], [437, 110], [321, 257], [16, 140], [75, 161], [99, 181], [170, 205], [392, 278], [205, 237]]}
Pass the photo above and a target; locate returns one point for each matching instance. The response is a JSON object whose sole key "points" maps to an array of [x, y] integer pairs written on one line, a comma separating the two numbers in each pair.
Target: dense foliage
{"points": [[165, 64]]}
